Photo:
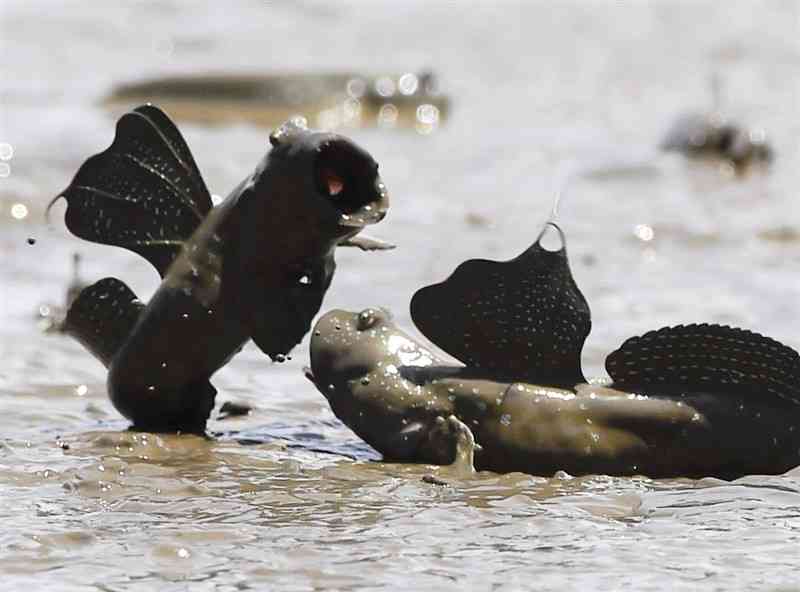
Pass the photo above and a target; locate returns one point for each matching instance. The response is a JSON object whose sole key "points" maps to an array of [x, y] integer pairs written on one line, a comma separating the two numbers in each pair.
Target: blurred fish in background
{"points": [[714, 135], [327, 101]]}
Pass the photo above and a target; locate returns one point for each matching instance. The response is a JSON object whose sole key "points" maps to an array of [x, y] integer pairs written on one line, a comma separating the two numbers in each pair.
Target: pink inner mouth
{"points": [[334, 182]]}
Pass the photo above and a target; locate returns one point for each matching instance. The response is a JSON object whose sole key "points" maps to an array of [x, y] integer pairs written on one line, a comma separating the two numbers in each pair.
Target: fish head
{"points": [[362, 363], [326, 173]]}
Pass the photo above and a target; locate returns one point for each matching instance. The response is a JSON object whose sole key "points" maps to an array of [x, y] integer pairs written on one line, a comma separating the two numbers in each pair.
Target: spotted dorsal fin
{"points": [[524, 319], [143, 193], [711, 358]]}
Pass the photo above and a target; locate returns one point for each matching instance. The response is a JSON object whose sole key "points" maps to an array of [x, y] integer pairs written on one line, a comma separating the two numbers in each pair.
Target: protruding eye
{"points": [[345, 175], [367, 319]]}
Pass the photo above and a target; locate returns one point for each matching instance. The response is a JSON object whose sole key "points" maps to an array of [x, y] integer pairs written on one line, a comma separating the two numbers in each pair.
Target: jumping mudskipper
{"points": [[255, 266]]}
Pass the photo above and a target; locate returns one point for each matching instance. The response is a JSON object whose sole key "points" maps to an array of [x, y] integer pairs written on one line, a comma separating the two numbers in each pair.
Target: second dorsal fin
{"points": [[143, 193], [524, 319], [711, 358]]}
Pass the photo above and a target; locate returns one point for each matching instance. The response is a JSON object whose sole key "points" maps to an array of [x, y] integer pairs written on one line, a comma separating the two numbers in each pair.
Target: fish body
{"points": [[341, 99], [695, 136], [390, 389], [689, 400], [255, 266]]}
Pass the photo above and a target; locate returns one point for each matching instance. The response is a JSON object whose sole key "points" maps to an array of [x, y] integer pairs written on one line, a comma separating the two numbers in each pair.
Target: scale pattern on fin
{"points": [[143, 193], [103, 316], [524, 319], [711, 358]]}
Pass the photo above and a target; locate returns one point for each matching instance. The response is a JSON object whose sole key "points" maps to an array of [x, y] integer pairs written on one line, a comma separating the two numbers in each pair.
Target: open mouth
{"points": [[350, 181]]}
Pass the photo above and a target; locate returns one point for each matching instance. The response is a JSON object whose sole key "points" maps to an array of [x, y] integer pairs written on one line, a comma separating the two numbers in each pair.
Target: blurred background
{"points": [[522, 93], [477, 113]]}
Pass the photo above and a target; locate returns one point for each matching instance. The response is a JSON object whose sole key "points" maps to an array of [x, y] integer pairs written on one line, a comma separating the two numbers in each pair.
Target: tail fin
{"points": [[102, 317]]}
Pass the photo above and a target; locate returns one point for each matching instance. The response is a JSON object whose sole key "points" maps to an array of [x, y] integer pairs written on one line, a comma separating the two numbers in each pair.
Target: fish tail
{"points": [[102, 317]]}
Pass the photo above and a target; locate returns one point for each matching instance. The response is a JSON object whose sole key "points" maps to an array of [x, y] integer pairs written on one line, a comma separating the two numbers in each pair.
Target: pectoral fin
{"points": [[366, 243], [283, 317], [102, 317], [403, 445]]}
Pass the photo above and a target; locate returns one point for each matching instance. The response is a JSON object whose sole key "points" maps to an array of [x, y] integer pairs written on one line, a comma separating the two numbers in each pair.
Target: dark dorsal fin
{"points": [[143, 193], [524, 319], [102, 317], [712, 358]]}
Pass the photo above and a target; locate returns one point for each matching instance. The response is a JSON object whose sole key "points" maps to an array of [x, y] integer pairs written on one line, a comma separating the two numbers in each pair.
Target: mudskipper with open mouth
{"points": [[255, 266], [690, 400]]}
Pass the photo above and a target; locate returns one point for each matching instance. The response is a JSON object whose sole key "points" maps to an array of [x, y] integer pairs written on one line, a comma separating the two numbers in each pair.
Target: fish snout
{"points": [[347, 176]]}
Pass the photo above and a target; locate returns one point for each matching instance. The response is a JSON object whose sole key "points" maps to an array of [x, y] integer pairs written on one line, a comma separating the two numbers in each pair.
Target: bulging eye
{"points": [[367, 319]]}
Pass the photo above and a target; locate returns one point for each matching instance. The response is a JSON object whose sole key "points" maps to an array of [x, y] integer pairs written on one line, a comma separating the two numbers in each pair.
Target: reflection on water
{"points": [[286, 497]]}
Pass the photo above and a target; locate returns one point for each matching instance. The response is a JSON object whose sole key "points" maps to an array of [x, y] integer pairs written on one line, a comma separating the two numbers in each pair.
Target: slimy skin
{"points": [[391, 391], [255, 266]]}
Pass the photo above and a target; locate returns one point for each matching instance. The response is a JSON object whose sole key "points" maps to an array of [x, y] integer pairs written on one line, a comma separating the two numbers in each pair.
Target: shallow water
{"points": [[279, 502]]}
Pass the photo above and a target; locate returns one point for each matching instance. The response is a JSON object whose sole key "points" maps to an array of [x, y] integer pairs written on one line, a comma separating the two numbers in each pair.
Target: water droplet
{"points": [[81, 390], [428, 114], [644, 232], [280, 358], [505, 419], [19, 211], [365, 381], [6, 151], [31, 240], [5, 171], [356, 88], [408, 83], [183, 553], [305, 280], [385, 86], [387, 116]]}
